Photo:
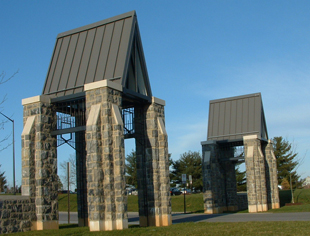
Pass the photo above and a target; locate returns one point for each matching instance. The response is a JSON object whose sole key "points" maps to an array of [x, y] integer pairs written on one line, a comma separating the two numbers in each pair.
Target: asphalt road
{"points": [[133, 217]]}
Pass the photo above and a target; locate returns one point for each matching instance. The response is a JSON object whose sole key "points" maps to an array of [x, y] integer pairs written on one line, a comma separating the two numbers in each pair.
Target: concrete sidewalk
{"points": [[133, 217]]}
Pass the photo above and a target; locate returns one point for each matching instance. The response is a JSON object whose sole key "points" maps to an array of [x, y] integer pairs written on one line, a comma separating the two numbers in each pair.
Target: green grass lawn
{"points": [[63, 202], [194, 202], [242, 228]]}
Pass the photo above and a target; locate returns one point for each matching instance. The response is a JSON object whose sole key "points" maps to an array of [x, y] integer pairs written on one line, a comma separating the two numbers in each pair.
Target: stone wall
{"points": [[242, 201], [220, 192], [16, 214]]}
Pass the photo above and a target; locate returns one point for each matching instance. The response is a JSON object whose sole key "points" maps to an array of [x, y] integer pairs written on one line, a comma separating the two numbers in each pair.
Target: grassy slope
{"points": [[194, 202]]}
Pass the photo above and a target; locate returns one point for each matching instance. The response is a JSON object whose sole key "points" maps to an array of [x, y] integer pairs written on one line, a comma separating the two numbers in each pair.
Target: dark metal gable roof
{"points": [[235, 117], [92, 53]]}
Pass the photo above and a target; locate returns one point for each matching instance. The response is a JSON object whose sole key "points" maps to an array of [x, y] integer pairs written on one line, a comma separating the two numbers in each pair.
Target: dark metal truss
{"points": [[70, 119], [128, 119]]}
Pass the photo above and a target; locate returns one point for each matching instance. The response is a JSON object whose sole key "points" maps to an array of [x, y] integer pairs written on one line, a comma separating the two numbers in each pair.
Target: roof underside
{"points": [[235, 117], [109, 49]]}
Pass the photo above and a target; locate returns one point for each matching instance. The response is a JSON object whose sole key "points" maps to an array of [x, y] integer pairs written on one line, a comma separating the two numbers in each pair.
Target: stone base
{"points": [[42, 225], [83, 222], [262, 207], [275, 205], [232, 208], [108, 225], [257, 208], [215, 210], [157, 220], [252, 208]]}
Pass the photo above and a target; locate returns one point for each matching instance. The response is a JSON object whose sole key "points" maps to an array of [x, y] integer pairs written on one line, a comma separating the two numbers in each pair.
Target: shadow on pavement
{"points": [[181, 217]]}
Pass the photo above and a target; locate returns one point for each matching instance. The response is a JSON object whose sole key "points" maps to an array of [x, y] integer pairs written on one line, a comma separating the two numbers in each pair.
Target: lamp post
{"points": [[13, 152]]}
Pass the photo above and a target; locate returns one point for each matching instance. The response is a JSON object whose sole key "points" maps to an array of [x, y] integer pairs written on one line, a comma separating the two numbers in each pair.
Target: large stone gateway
{"points": [[238, 122], [97, 90]]}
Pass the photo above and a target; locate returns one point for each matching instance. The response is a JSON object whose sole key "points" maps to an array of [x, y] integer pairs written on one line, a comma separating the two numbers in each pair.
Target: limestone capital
{"points": [[39, 98], [158, 101], [102, 84]]}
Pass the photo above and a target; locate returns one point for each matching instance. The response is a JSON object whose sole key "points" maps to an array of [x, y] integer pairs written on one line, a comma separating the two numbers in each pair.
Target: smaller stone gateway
{"points": [[238, 122]]}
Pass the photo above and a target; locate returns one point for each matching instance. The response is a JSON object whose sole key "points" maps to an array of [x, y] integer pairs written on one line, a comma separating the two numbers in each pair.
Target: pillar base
{"points": [[252, 208], [157, 220], [108, 225], [83, 222], [232, 208], [42, 225], [275, 205], [215, 210], [257, 208]]}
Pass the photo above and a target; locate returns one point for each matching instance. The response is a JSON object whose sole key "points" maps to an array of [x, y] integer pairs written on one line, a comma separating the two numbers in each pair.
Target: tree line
{"points": [[190, 163]]}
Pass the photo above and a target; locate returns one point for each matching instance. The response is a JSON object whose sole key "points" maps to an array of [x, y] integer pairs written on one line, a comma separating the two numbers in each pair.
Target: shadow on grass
{"points": [[199, 211], [134, 226], [68, 226]]}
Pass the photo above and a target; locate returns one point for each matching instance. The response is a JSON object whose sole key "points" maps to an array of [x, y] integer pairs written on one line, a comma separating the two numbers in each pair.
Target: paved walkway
{"points": [[133, 217]]}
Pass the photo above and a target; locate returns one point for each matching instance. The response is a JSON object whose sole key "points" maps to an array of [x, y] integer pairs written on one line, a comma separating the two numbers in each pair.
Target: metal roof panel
{"points": [[92, 53], [235, 117]]}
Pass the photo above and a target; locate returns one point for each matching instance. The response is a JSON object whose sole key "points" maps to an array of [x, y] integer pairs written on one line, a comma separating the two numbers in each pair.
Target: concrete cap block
{"points": [[103, 83], [158, 101], [208, 142], [250, 137], [39, 98]]}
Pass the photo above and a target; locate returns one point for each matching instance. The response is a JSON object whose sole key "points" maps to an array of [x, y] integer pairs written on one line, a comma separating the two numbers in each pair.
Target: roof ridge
{"points": [[98, 23]]}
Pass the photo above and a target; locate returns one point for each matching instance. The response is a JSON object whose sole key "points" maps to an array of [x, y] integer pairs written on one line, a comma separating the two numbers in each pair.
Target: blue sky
{"points": [[196, 51]]}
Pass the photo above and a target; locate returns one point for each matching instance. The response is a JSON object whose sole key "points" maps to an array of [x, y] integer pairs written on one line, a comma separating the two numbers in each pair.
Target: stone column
{"points": [[230, 179], [255, 172], [39, 160], [272, 177], [107, 201], [214, 195], [153, 165]]}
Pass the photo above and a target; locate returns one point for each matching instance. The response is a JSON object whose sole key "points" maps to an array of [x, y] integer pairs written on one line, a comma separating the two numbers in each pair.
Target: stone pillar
{"points": [[107, 201], [255, 172], [214, 196], [230, 179], [39, 160], [152, 165], [272, 177]]}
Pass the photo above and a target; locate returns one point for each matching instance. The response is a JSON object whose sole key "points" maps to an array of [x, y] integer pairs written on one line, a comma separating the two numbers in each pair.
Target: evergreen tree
{"points": [[240, 178], [285, 184], [2, 181], [60, 185], [286, 161], [131, 169], [189, 164]]}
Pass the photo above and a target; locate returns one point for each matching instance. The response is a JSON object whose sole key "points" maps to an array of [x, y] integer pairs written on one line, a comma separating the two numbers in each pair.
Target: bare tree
{"points": [[72, 175]]}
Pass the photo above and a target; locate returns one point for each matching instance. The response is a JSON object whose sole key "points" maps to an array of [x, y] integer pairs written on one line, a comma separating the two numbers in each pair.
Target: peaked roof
{"points": [[235, 117], [108, 49]]}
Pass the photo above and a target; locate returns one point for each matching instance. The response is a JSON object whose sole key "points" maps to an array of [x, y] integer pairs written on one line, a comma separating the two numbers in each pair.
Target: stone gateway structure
{"points": [[233, 123], [96, 94]]}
